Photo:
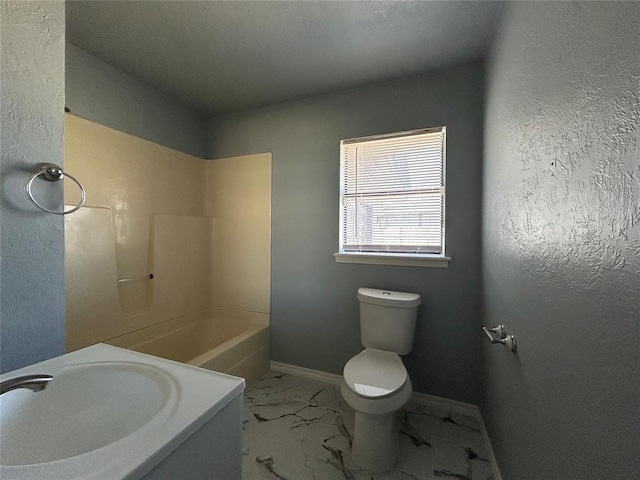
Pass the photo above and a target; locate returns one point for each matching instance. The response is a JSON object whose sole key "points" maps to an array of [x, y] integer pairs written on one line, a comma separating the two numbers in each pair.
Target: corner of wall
{"points": [[32, 130], [102, 93]]}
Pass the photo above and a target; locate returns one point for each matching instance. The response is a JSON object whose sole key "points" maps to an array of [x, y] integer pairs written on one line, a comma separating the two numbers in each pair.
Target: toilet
{"points": [[375, 382]]}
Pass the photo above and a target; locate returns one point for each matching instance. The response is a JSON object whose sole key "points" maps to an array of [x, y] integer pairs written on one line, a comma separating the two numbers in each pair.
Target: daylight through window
{"points": [[392, 193]]}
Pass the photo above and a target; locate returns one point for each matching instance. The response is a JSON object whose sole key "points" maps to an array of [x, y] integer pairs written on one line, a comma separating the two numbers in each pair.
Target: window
{"points": [[392, 198]]}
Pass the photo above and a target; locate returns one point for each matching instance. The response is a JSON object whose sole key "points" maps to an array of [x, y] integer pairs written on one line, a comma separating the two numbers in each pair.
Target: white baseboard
{"points": [[447, 404], [492, 457], [441, 403], [331, 378], [420, 398]]}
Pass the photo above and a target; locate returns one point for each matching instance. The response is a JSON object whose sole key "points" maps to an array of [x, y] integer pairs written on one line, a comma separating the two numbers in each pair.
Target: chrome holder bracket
{"points": [[508, 341]]}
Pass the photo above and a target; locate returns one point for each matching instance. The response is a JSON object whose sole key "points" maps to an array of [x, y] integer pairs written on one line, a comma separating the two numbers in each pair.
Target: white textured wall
{"points": [[561, 241], [32, 246]]}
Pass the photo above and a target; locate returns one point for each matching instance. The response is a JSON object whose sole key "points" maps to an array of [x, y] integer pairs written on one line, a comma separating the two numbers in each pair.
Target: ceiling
{"points": [[227, 56]]}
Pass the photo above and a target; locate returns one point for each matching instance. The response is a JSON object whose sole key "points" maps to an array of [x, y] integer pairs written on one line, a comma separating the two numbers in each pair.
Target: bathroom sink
{"points": [[110, 401], [107, 413]]}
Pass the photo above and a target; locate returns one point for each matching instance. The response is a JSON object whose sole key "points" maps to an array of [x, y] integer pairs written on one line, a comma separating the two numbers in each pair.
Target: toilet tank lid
{"points": [[388, 298]]}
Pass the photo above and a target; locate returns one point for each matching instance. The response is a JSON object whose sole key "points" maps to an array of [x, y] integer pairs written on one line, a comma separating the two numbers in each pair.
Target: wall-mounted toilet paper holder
{"points": [[508, 341]]}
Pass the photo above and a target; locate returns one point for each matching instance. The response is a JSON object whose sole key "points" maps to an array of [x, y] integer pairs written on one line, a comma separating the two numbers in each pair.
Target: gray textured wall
{"points": [[32, 129], [314, 310], [561, 240], [103, 94]]}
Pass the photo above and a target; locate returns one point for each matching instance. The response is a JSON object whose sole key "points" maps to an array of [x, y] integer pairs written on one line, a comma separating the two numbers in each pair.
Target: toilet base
{"points": [[375, 441], [375, 436]]}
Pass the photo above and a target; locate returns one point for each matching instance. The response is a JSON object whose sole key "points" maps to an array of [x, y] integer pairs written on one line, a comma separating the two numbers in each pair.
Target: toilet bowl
{"points": [[376, 386], [375, 382]]}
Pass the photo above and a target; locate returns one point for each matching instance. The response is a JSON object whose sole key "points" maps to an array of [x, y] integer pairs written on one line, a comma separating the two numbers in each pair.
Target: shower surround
{"points": [[165, 239]]}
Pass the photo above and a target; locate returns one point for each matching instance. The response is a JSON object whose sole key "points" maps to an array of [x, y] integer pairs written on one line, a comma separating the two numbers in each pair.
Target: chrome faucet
{"points": [[34, 383]]}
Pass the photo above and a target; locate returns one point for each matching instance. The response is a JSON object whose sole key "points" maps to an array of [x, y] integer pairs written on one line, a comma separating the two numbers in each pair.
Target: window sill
{"points": [[399, 259]]}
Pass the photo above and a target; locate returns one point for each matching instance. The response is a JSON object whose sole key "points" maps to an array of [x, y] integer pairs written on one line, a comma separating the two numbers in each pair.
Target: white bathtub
{"points": [[222, 340]]}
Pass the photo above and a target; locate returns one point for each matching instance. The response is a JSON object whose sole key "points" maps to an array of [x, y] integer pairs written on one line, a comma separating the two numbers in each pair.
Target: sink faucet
{"points": [[35, 383]]}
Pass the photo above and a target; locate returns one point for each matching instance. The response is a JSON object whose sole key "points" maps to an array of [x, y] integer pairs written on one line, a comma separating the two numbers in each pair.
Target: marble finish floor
{"points": [[301, 429]]}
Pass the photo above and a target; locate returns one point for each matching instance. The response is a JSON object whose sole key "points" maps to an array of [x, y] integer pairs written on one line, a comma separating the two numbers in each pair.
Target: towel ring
{"points": [[53, 173]]}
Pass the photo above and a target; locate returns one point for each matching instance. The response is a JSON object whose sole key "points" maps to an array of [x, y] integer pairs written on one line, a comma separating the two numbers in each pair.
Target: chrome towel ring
{"points": [[53, 173]]}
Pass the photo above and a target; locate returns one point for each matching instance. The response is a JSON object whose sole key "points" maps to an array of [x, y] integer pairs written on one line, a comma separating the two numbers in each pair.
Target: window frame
{"points": [[392, 258]]}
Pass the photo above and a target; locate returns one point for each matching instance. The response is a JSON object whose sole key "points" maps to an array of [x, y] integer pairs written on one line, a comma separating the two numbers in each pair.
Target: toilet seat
{"points": [[375, 373]]}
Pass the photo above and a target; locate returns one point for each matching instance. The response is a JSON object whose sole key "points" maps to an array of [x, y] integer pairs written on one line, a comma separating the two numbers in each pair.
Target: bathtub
{"points": [[223, 340]]}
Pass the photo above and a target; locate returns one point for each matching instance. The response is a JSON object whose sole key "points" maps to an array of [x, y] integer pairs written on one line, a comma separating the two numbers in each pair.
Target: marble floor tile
{"points": [[301, 429]]}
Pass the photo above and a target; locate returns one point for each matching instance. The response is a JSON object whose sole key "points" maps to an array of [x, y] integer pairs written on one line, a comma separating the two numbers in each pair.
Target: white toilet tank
{"points": [[388, 319]]}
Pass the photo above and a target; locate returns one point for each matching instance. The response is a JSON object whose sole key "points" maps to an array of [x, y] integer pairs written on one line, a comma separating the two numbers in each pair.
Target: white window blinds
{"points": [[392, 193]]}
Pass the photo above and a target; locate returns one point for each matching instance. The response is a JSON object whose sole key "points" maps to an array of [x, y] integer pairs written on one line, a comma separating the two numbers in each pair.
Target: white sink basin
{"points": [[31, 422], [108, 413]]}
